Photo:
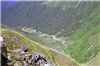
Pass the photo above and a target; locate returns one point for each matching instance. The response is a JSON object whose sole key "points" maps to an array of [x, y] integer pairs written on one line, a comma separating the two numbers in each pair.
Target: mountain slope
{"points": [[44, 39], [84, 44], [95, 61], [52, 55], [63, 17], [77, 21]]}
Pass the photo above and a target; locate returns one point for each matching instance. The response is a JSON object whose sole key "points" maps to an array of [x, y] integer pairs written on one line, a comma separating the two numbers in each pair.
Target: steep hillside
{"points": [[95, 61], [52, 55], [84, 44], [63, 17], [77, 21], [45, 39]]}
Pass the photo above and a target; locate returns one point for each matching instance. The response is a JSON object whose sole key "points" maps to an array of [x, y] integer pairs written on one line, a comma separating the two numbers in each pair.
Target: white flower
{"points": [[1, 39], [47, 65]]}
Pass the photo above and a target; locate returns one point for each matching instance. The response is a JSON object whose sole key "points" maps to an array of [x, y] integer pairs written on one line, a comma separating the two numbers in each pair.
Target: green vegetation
{"points": [[77, 21], [52, 55], [95, 61], [44, 40], [84, 44], [49, 18]]}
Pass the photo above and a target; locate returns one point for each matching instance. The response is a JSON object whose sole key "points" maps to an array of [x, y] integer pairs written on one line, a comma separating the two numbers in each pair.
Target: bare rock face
{"points": [[3, 51]]}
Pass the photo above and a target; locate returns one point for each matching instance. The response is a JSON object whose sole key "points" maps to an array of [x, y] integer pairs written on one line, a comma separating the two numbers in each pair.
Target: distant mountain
{"points": [[48, 17]]}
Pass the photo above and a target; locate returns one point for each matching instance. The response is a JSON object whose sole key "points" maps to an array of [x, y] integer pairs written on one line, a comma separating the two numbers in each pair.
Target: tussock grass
{"points": [[53, 56]]}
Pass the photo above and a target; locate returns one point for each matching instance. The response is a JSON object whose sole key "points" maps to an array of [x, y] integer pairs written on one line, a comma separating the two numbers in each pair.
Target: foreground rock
{"points": [[15, 41]]}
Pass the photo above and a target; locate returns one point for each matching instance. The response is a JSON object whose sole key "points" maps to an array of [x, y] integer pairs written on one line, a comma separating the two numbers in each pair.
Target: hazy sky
{"points": [[24, 0], [7, 4]]}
